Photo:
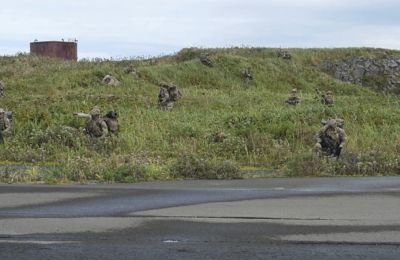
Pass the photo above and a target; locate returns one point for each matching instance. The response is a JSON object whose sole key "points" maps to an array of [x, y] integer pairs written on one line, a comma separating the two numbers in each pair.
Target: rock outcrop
{"points": [[382, 73]]}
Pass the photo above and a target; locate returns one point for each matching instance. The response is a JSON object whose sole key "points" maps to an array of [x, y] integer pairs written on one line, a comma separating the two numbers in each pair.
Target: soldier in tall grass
{"points": [[331, 138], [293, 98], [245, 74], [5, 125], [111, 119], [95, 126], [2, 89], [325, 98], [168, 95], [205, 59], [284, 54], [110, 80]]}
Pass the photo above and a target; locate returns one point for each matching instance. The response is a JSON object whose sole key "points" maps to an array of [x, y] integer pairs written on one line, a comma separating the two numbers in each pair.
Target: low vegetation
{"points": [[260, 131]]}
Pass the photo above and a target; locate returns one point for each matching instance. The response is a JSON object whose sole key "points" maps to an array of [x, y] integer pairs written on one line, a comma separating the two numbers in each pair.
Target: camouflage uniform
{"points": [[206, 60], [5, 125], [339, 122], [331, 138], [110, 80], [174, 93], [219, 137], [95, 126], [246, 74], [111, 119], [163, 97], [284, 54], [168, 95], [327, 99], [293, 99], [133, 71], [2, 89]]}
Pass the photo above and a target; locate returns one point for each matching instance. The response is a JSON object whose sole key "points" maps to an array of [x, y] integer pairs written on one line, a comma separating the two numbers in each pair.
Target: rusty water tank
{"points": [[67, 50]]}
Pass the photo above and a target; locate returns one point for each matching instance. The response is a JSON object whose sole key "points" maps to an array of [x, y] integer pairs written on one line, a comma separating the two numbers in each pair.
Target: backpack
{"points": [[111, 119]]}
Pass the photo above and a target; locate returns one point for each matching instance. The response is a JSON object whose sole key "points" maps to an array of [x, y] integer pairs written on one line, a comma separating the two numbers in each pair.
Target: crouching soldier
{"points": [[293, 98], [284, 54], [245, 74], [111, 119], [95, 126], [110, 80], [5, 124], [2, 89], [331, 138], [132, 71], [168, 95], [205, 59], [327, 98]]}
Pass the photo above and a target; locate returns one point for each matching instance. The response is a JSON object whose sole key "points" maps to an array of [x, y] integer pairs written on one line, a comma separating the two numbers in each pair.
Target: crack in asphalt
{"points": [[235, 217]]}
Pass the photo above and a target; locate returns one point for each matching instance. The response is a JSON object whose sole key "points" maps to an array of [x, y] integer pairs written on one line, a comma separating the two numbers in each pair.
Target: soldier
{"points": [[331, 138], [206, 60], [339, 122], [163, 97], [5, 125], [174, 93], [284, 54], [219, 137], [293, 98], [132, 71], [327, 99], [246, 75], [96, 126], [111, 119], [2, 89], [168, 95], [110, 80]]}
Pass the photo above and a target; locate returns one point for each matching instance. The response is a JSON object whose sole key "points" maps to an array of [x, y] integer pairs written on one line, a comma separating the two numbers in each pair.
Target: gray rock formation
{"points": [[381, 73]]}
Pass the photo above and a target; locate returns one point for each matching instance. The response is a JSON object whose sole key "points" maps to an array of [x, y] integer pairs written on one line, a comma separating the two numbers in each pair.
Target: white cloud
{"points": [[130, 28]]}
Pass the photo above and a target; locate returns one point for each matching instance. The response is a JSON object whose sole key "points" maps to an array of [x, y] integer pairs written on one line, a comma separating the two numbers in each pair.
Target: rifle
{"points": [[319, 94], [337, 151]]}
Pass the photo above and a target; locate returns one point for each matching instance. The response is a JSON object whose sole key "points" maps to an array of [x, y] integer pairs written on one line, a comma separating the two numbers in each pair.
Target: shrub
{"points": [[307, 164], [259, 129], [191, 167], [187, 54], [347, 164], [60, 135], [135, 173]]}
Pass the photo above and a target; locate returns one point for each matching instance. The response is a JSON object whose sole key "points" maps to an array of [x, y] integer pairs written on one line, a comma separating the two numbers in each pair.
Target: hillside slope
{"points": [[262, 132]]}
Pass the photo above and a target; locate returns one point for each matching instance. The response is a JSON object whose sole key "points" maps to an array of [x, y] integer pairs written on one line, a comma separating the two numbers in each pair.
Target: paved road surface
{"points": [[308, 218]]}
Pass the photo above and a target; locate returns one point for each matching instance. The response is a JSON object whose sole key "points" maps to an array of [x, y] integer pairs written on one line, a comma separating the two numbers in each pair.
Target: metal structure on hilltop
{"points": [[67, 50]]}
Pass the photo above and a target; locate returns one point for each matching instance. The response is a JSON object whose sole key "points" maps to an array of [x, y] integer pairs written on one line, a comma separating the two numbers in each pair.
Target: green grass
{"points": [[262, 132]]}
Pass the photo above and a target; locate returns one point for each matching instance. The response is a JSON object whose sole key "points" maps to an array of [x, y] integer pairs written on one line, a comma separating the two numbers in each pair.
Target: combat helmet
{"points": [[95, 111]]}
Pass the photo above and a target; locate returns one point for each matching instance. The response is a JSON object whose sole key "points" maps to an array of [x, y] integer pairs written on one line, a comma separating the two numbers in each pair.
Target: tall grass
{"points": [[261, 131]]}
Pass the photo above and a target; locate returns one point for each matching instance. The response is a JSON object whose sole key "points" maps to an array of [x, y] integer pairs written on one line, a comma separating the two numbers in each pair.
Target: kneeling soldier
{"points": [[95, 126]]}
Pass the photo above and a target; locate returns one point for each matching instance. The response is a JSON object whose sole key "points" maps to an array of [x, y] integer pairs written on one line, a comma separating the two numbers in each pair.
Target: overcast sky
{"points": [[131, 28]]}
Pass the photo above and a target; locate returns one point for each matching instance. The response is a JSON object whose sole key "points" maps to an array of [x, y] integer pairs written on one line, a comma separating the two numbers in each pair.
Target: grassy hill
{"points": [[262, 132]]}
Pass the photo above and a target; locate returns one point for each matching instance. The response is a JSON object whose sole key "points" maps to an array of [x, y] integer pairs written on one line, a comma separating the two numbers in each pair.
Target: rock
{"points": [[381, 72], [392, 64]]}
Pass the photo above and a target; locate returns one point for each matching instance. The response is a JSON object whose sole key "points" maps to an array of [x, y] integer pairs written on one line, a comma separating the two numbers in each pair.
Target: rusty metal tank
{"points": [[67, 50]]}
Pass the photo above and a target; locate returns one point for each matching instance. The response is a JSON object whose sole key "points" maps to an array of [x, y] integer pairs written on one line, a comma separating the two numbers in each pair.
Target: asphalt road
{"points": [[307, 218]]}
